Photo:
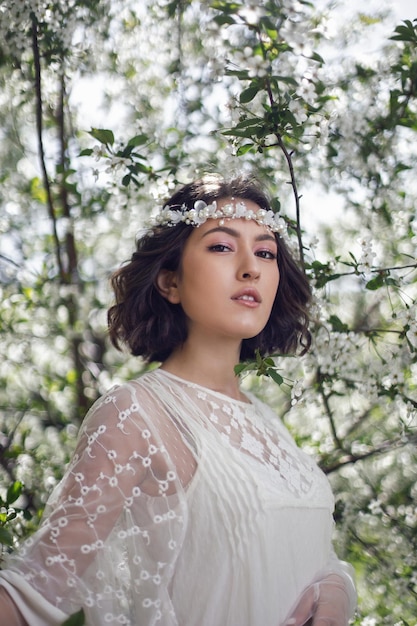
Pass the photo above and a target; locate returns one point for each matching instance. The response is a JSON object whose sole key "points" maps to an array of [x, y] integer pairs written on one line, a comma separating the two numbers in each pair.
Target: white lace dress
{"points": [[180, 507]]}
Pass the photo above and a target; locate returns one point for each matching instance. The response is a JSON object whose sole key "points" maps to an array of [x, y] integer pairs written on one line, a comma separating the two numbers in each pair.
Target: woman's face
{"points": [[228, 278]]}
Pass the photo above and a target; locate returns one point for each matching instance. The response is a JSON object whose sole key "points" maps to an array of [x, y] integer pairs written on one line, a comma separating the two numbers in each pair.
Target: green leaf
{"points": [[29, 293], [405, 33], [5, 537], [244, 149], [103, 135], [137, 168], [316, 57], [375, 283], [272, 373], [337, 324], [285, 79], [239, 368], [13, 492], [71, 376], [275, 205], [221, 20], [240, 74], [252, 121], [227, 7], [248, 94], [138, 140], [246, 134], [86, 152], [77, 619]]}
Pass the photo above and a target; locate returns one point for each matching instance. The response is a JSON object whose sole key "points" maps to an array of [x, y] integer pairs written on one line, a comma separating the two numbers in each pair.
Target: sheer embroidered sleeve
{"points": [[113, 528], [346, 572]]}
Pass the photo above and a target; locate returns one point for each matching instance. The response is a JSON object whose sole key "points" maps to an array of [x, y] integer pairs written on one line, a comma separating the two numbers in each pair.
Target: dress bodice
{"points": [[180, 507]]}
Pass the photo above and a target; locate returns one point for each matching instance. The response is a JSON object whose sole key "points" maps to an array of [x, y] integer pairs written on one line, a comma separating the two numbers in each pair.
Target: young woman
{"points": [[187, 502]]}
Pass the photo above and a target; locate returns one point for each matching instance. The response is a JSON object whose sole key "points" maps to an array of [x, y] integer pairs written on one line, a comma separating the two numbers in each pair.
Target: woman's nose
{"points": [[249, 269], [250, 275]]}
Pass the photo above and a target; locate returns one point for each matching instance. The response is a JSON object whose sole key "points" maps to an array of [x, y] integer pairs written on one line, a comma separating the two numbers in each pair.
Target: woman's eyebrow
{"points": [[236, 233]]}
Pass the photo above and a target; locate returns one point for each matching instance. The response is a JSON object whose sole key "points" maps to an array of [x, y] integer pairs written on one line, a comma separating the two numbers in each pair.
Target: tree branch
{"points": [[39, 130], [386, 446], [72, 272]]}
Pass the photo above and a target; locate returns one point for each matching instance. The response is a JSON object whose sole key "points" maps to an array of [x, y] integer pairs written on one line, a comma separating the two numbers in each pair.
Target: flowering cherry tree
{"points": [[262, 87]]}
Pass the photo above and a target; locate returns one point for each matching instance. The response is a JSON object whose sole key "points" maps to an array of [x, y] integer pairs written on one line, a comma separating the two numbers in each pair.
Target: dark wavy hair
{"points": [[153, 328]]}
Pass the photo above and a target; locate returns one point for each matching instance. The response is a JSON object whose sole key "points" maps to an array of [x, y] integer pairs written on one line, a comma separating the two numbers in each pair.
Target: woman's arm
{"points": [[9, 612], [115, 525]]}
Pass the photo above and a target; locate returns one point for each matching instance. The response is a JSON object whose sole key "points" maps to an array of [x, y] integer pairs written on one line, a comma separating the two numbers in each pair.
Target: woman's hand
{"points": [[324, 603]]}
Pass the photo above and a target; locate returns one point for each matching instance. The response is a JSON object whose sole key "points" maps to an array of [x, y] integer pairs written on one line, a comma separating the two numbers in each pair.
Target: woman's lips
{"points": [[248, 297]]}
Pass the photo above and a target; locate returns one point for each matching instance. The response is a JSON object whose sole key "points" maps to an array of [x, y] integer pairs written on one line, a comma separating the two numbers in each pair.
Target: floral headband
{"points": [[203, 211]]}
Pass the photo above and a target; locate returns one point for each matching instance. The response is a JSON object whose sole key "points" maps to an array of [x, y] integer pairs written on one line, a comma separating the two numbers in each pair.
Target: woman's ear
{"points": [[166, 283]]}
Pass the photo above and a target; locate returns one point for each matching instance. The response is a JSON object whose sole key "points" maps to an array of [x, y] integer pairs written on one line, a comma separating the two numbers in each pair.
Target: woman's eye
{"points": [[219, 247], [266, 254]]}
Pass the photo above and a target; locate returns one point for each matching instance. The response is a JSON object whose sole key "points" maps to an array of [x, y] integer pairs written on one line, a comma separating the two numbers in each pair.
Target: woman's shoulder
{"points": [[133, 418], [129, 394], [134, 400]]}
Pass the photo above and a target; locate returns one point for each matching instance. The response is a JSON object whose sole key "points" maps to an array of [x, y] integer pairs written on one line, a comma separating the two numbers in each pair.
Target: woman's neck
{"points": [[207, 365]]}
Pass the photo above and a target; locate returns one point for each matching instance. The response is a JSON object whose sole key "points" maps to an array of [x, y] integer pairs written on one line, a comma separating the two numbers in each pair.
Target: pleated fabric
{"points": [[180, 507]]}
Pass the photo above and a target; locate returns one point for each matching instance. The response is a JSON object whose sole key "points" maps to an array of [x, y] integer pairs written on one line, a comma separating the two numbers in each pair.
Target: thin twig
{"points": [[351, 459], [288, 159], [8, 260], [329, 414]]}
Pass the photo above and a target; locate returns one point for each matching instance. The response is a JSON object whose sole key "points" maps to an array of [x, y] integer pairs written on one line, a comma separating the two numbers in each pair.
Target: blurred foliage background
{"points": [[104, 108]]}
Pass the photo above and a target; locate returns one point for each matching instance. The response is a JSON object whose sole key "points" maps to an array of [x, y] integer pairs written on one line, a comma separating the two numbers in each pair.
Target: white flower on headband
{"points": [[202, 211]]}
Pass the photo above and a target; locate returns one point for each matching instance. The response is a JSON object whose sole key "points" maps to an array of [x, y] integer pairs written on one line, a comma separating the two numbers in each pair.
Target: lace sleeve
{"points": [[114, 527], [347, 573]]}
